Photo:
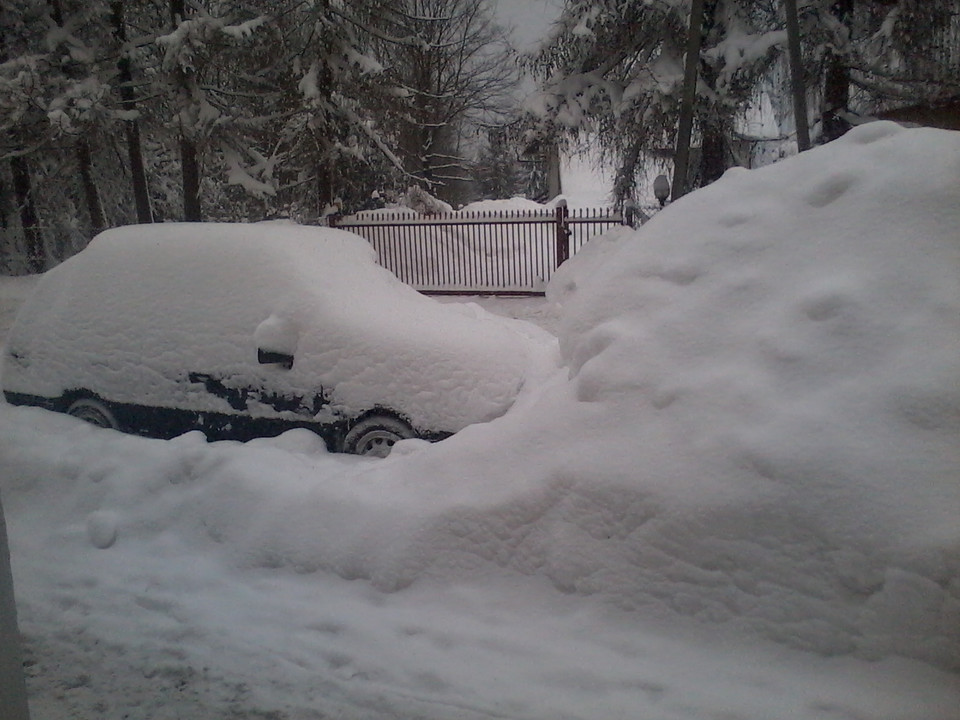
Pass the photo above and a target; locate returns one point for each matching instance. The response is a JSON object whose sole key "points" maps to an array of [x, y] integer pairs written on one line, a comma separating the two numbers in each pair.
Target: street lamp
{"points": [[661, 189]]}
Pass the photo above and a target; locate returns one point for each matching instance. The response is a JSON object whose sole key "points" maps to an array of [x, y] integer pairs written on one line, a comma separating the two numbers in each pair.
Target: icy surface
{"points": [[141, 308], [738, 498]]}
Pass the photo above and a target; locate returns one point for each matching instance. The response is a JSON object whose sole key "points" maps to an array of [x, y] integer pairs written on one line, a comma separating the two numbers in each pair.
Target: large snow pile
{"points": [[781, 355], [752, 443]]}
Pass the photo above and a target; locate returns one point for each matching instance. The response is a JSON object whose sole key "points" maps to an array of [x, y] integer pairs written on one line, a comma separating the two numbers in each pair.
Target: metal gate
{"points": [[504, 253]]}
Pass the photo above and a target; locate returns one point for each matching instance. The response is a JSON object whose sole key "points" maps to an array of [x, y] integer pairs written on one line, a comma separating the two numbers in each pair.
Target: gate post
{"points": [[563, 232]]}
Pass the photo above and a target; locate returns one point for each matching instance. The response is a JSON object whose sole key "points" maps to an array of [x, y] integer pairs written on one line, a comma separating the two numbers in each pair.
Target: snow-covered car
{"points": [[248, 330]]}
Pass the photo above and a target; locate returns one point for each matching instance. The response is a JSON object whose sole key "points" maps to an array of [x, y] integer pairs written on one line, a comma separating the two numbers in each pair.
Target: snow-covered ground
{"points": [[737, 497]]}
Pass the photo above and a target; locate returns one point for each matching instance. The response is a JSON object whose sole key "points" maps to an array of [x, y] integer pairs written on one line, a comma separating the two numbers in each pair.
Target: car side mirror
{"points": [[271, 357], [276, 341]]}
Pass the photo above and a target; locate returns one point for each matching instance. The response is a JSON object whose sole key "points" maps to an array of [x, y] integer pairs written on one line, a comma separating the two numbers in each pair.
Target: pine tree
{"points": [[867, 56], [615, 69]]}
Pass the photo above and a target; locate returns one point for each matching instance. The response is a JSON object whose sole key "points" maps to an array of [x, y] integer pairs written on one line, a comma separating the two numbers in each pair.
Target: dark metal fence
{"points": [[507, 252]]}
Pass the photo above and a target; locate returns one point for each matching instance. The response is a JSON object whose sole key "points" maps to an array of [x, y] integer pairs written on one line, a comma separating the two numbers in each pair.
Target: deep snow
{"points": [[736, 498]]}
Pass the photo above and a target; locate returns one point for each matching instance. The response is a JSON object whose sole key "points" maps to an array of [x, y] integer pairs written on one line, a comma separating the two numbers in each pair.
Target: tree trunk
{"points": [[98, 220], [713, 150], [138, 173], [836, 81], [177, 12], [84, 161], [189, 154], [326, 192], [190, 167], [32, 235], [713, 138], [688, 100], [797, 87]]}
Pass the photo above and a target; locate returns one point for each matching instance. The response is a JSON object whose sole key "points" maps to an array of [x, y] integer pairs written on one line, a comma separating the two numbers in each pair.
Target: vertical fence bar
{"points": [[416, 253], [523, 255], [429, 242], [471, 254], [441, 243], [484, 257], [391, 252], [531, 279], [394, 245], [462, 250], [496, 257], [523, 250], [542, 250], [500, 255]]}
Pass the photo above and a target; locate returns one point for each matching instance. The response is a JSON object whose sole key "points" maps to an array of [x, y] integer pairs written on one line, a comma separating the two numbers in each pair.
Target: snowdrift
{"points": [[755, 425], [779, 352]]}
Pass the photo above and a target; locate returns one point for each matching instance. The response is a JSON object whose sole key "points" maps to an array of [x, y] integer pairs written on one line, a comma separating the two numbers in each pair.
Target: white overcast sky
{"points": [[528, 18]]}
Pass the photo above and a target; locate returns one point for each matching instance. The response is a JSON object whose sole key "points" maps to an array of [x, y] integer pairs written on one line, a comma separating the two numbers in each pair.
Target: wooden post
{"points": [[563, 232], [681, 158], [796, 76], [13, 688]]}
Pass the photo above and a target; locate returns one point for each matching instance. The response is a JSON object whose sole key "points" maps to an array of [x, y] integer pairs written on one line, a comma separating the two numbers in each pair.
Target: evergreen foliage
{"points": [[613, 70], [133, 110], [121, 111]]}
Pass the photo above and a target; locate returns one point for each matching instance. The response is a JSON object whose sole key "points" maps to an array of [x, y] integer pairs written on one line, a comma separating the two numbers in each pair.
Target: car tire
{"points": [[375, 435], [93, 412]]}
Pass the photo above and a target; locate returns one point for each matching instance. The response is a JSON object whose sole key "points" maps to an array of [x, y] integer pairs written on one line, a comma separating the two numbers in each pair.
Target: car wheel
{"points": [[93, 412], [376, 435]]}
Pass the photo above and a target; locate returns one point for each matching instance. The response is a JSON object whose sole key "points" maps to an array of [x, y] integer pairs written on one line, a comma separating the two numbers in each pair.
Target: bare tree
{"points": [[452, 70]]}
